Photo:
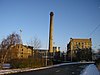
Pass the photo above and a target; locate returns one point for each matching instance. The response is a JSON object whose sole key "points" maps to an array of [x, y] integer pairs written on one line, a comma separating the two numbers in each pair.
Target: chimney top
{"points": [[51, 13]]}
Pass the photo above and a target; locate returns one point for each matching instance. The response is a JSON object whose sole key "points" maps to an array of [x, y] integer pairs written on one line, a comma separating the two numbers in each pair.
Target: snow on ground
{"points": [[90, 70]]}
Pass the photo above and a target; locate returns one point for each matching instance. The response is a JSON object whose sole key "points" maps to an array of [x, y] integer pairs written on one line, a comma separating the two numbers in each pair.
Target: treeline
{"points": [[5, 50]]}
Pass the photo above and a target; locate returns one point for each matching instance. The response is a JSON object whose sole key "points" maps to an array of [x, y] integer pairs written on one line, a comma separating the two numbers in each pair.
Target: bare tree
{"points": [[6, 45], [36, 43]]}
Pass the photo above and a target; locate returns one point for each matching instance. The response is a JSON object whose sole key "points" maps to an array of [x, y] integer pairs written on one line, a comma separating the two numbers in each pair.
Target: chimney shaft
{"points": [[51, 33]]}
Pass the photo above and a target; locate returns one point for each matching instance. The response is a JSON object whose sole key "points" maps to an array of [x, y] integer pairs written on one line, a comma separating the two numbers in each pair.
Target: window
{"points": [[22, 56], [18, 46], [73, 51], [76, 51], [79, 43]]}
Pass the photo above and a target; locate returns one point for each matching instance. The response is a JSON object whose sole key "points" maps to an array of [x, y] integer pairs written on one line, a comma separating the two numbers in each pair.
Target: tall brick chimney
{"points": [[51, 33]]}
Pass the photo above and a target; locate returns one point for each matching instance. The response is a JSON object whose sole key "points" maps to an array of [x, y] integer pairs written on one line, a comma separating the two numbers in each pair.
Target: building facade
{"points": [[56, 49], [20, 51], [78, 44]]}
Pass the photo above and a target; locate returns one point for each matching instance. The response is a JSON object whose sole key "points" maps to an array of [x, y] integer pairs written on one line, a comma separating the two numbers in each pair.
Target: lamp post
{"points": [[71, 55], [21, 37], [46, 59], [72, 52]]}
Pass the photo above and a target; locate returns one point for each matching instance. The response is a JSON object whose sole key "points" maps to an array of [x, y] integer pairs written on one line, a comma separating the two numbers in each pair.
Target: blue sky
{"points": [[72, 18]]}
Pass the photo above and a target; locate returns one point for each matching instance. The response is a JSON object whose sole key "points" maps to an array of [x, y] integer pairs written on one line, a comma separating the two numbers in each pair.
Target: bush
{"points": [[97, 62], [26, 63]]}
